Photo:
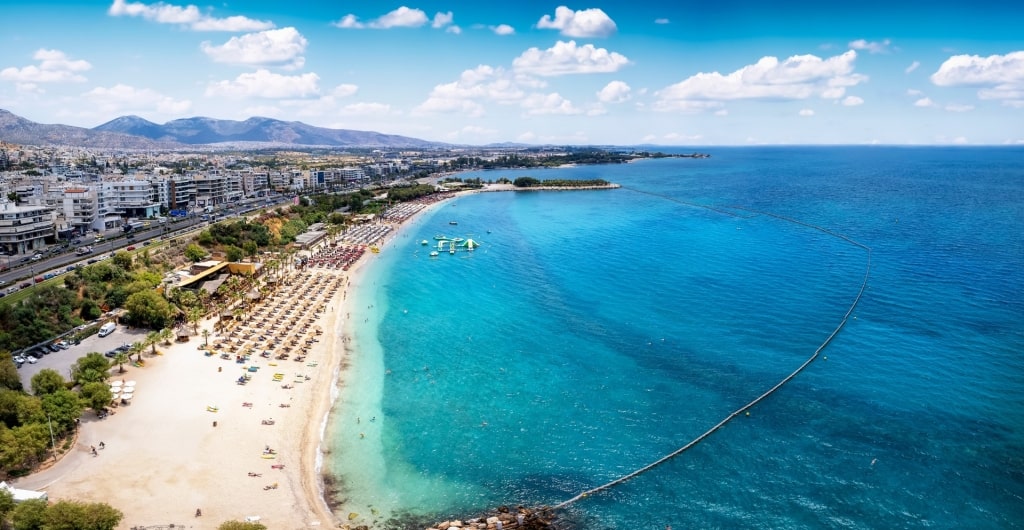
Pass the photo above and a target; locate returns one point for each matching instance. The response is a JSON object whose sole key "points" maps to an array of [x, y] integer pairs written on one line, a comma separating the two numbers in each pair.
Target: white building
{"points": [[24, 229]]}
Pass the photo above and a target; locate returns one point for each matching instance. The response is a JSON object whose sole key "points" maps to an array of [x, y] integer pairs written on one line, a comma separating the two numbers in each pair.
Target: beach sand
{"points": [[187, 443]]}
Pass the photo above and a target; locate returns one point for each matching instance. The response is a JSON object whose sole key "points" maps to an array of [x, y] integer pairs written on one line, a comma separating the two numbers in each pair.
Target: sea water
{"points": [[593, 332]]}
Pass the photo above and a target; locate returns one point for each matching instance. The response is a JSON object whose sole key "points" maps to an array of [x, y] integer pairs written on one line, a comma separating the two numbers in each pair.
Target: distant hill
{"points": [[133, 132], [199, 130], [18, 130]]}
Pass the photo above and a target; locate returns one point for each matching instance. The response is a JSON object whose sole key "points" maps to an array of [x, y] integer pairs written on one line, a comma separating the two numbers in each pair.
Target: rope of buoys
{"points": [[770, 391]]}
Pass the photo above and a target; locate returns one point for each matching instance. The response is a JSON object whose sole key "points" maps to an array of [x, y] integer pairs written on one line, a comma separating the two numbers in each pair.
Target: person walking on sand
{"points": [[92, 448]]}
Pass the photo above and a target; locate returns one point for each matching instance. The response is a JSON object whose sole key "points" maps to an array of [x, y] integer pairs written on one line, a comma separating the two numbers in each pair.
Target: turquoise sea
{"points": [[595, 331]]}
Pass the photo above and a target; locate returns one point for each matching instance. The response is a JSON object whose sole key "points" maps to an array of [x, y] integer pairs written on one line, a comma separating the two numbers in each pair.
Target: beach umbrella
{"points": [[115, 384], [129, 385]]}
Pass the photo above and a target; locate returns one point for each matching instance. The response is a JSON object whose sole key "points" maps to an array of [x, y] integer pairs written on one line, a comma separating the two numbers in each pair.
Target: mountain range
{"points": [[133, 132]]}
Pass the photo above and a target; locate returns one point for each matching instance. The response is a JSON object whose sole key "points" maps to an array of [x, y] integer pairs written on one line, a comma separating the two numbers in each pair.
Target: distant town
{"points": [[52, 196]]}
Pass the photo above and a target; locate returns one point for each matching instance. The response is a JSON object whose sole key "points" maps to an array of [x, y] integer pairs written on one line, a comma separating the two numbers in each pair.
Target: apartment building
{"points": [[25, 228]]}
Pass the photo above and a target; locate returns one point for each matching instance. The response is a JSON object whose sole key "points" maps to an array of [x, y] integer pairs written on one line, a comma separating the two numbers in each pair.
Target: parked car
{"points": [[39, 279], [131, 248], [91, 261], [37, 257], [54, 347], [62, 344], [29, 360], [147, 243], [111, 353], [25, 285]]}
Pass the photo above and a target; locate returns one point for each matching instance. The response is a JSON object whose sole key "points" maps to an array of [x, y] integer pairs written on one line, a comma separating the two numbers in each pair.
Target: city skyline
{"points": [[604, 72]]}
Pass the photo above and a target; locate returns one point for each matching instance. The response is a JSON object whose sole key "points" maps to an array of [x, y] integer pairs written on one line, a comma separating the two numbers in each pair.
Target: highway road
{"points": [[23, 270]]}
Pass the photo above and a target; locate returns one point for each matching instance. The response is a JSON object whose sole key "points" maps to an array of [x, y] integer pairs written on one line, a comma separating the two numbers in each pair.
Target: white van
{"points": [[107, 329]]}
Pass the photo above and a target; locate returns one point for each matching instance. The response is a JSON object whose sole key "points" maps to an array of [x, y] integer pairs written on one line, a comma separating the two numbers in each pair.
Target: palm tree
{"points": [[195, 316], [136, 350], [206, 338], [151, 339], [120, 358], [166, 335]]}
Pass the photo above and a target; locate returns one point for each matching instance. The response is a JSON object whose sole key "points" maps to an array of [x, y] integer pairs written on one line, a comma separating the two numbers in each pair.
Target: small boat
{"points": [[441, 237], [453, 222], [424, 242], [433, 253]]}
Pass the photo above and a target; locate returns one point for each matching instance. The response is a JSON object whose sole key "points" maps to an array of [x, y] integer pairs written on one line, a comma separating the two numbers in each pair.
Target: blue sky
{"points": [[722, 72]]}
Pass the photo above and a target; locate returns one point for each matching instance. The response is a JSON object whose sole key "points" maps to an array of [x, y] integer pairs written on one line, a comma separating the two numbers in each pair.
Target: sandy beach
{"points": [[192, 438]]}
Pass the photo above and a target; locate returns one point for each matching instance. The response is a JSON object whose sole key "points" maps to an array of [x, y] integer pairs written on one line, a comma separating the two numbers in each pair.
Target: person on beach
{"points": [[92, 448]]}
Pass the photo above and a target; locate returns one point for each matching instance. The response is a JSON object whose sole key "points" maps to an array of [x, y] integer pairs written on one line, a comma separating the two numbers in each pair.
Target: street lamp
{"points": [[53, 442]]}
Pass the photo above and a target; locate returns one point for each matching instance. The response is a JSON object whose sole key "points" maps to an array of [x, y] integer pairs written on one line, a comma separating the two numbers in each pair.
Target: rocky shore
{"points": [[503, 518]]}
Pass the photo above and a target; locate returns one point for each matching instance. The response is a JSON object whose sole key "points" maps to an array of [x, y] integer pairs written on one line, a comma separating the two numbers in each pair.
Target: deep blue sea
{"points": [[595, 331]]}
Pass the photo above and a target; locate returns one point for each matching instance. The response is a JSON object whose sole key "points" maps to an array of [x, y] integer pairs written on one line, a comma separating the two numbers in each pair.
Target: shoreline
{"points": [[192, 435]]}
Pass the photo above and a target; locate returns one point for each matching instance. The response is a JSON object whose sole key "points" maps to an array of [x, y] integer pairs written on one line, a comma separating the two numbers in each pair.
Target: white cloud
{"points": [[567, 58], [852, 101], [924, 102], [661, 21], [1000, 76], [188, 16], [676, 137], [913, 92], [366, 109], [481, 83], [806, 112], [442, 19], [503, 29], [553, 103], [349, 21], [798, 77], [403, 17], [344, 90], [54, 67], [265, 84], [871, 47], [913, 66], [583, 23], [959, 108], [614, 92], [280, 47], [120, 99], [722, 112], [960, 140], [961, 70]]}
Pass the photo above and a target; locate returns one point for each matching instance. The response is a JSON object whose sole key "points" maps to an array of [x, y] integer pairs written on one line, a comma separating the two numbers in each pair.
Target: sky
{"points": [[602, 72]]}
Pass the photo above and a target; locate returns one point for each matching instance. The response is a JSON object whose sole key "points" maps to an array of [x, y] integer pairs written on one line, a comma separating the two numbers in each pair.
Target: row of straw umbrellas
{"points": [[284, 325]]}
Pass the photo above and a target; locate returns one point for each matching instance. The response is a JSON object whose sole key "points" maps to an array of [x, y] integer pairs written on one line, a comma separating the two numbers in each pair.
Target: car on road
{"points": [[130, 248], [2, 282], [93, 260]]}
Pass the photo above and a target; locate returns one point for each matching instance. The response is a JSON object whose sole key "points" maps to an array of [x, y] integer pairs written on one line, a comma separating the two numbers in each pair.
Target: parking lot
{"points": [[62, 360]]}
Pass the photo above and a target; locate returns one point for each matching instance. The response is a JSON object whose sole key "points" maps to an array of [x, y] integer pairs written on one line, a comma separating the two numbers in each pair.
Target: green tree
{"points": [[136, 350], [29, 515], [62, 408], [239, 525], [6, 504], [91, 368], [148, 308], [96, 395], [9, 377], [76, 515], [195, 253], [47, 381], [124, 260], [234, 253]]}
